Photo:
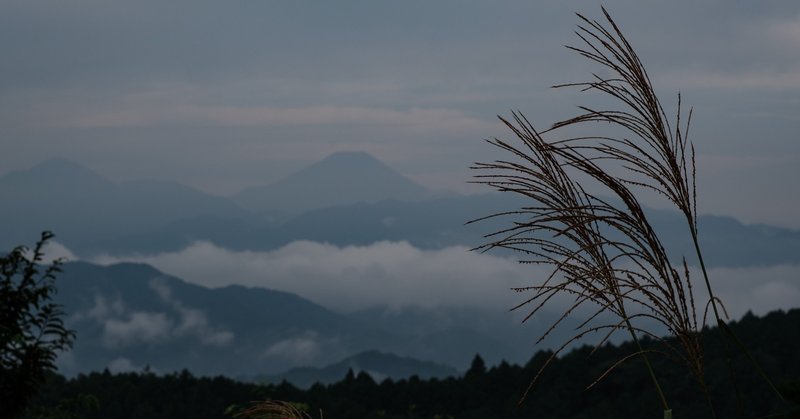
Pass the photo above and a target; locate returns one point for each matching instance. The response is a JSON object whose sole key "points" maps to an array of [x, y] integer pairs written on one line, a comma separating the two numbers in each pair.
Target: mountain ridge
{"points": [[131, 314], [342, 177], [93, 216], [379, 365]]}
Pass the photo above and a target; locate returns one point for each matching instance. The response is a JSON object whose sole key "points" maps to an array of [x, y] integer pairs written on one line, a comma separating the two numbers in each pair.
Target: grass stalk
{"points": [[650, 371], [605, 252], [724, 328]]}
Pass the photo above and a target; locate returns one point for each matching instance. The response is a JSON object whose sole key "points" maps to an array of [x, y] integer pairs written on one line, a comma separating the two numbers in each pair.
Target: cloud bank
{"points": [[123, 326], [353, 277], [398, 274]]}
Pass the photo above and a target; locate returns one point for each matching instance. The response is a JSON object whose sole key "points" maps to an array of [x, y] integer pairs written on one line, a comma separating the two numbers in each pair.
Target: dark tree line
{"points": [[481, 392]]}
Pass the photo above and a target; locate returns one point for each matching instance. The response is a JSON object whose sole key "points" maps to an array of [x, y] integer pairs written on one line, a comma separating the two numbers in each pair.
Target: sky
{"points": [[221, 95]]}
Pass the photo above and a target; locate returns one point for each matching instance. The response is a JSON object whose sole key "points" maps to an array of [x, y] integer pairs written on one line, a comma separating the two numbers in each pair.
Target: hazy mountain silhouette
{"points": [[92, 215], [379, 365], [339, 179], [133, 315], [439, 223], [56, 174], [84, 208]]}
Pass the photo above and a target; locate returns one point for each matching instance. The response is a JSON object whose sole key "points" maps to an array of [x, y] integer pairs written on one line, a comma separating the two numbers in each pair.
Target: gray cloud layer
{"points": [[123, 326], [385, 273], [398, 274]]}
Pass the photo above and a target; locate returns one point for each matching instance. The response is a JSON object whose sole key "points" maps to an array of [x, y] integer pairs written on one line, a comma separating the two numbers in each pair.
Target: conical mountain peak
{"points": [[352, 157], [344, 164], [342, 178]]}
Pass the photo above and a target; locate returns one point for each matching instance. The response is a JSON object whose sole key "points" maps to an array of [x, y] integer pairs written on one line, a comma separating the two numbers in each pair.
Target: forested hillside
{"points": [[483, 391]]}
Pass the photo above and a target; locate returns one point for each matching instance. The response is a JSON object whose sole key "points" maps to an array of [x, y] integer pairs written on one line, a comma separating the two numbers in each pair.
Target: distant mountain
{"points": [[84, 208], [377, 364], [92, 215], [340, 179], [58, 175], [132, 314], [438, 223], [129, 315]]}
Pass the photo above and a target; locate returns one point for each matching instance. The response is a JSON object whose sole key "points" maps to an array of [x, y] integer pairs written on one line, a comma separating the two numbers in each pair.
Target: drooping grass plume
{"points": [[586, 220], [273, 409], [606, 256]]}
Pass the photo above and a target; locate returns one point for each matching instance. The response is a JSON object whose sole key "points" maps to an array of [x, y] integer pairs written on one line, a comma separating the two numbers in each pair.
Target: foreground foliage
{"points": [[32, 330], [482, 392]]}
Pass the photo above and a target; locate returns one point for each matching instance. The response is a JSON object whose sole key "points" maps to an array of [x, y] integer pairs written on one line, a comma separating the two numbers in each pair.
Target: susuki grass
{"points": [[586, 220], [273, 409]]}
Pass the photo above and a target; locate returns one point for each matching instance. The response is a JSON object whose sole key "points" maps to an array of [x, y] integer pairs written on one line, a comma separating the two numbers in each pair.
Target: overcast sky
{"points": [[226, 94]]}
